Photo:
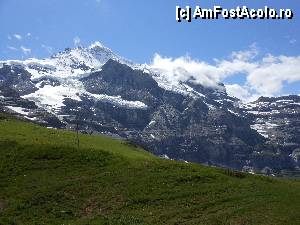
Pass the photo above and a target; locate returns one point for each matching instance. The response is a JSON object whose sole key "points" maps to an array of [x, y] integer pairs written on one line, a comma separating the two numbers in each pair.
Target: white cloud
{"points": [[48, 49], [242, 92], [265, 76], [28, 34], [25, 50], [268, 79], [293, 41], [12, 48], [246, 55], [76, 41], [98, 1], [185, 68], [18, 36], [9, 37], [237, 91]]}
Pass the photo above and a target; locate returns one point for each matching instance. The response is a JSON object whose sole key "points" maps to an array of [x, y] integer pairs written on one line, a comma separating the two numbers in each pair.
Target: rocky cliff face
{"points": [[107, 94], [278, 120]]}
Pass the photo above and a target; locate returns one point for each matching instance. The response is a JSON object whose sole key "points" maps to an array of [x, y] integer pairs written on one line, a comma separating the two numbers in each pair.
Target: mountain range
{"points": [[98, 92]]}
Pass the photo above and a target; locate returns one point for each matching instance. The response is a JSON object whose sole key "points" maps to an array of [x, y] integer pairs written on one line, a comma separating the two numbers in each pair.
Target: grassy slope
{"points": [[44, 179]]}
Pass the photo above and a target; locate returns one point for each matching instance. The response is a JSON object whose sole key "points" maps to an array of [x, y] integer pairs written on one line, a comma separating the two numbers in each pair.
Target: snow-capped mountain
{"points": [[70, 63], [184, 120], [57, 78], [277, 119]]}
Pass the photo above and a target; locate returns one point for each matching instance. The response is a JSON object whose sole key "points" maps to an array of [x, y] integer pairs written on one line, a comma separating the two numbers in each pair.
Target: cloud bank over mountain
{"points": [[265, 75]]}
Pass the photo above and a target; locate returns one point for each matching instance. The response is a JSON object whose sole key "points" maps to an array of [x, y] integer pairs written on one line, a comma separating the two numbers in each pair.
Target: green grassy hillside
{"points": [[45, 179]]}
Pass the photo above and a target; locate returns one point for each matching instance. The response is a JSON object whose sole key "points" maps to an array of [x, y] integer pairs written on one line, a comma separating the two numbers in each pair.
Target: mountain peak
{"points": [[96, 44]]}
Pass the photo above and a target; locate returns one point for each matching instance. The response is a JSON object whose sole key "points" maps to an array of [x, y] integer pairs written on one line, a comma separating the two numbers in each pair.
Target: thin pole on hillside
{"points": [[78, 117], [77, 133]]}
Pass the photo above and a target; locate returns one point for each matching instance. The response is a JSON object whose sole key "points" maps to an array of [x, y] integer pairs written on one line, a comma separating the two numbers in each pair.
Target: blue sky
{"points": [[138, 29]]}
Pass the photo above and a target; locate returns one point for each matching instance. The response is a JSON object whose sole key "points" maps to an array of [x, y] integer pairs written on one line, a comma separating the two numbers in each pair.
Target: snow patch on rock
{"points": [[18, 110]]}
